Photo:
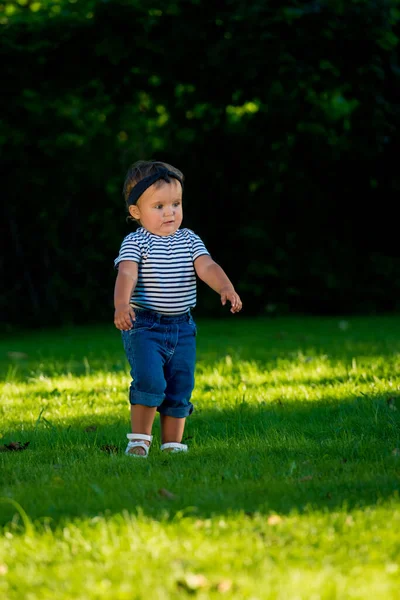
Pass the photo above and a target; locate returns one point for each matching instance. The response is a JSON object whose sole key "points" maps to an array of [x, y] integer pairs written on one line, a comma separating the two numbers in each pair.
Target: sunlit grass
{"points": [[290, 488]]}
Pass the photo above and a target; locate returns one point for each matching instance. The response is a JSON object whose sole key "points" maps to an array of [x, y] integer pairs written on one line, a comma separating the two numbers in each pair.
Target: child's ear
{"points": [[134, 211]]}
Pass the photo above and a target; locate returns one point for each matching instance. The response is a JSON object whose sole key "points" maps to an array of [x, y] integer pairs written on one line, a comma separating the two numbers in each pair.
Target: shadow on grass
{"points": [[265, 458], [270, 457]]}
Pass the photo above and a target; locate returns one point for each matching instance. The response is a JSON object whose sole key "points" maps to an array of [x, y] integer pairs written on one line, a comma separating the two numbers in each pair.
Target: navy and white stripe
{"points": [[166, 275]]}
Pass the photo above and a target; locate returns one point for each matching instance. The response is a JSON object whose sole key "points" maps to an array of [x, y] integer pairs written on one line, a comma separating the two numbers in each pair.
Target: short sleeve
{"points": [[198, 247], [130, 250]]}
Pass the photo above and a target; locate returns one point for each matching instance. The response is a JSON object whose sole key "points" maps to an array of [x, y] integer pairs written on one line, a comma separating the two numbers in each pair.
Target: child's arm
{"points": [[124, 286], [215, 277]]}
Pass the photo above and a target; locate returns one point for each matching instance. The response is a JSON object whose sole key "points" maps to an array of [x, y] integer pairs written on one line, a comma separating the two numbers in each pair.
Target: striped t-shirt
{"points": [[166, 275]]}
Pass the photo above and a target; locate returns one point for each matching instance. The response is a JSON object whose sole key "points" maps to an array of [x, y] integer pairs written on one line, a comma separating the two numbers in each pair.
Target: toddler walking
{"points": [[155, 291]]}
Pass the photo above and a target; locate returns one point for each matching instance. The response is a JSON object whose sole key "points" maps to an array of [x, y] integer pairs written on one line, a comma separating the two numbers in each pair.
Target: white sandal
{"points": [[141, 438], [175, 447]]}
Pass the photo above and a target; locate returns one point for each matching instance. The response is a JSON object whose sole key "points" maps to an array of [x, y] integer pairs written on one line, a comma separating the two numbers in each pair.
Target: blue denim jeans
{"points": [[161, 351]]}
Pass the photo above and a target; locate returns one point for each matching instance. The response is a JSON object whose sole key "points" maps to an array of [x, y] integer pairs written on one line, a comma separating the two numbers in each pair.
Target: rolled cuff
{"points": [[144, 398], [179, 412]]}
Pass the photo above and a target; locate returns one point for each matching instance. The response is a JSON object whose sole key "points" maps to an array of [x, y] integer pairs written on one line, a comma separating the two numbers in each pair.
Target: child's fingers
{"points": [[235, 308], [124, 322], [236, 303], [125, 325], [129, 319]]}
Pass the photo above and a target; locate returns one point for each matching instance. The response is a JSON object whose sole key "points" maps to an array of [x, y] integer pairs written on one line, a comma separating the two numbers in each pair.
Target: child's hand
{"points": [[123, 317], [233, 297]]}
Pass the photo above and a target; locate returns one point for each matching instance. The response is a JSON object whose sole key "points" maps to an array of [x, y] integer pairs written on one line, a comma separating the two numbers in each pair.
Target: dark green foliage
{"points": [[282, 117]]}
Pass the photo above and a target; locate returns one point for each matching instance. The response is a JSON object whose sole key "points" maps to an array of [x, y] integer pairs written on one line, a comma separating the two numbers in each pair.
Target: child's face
{"points": [[159, 209]]}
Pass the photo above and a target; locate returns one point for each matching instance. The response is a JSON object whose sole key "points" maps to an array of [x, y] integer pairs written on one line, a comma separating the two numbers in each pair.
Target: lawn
{"points": [[289, 489]]}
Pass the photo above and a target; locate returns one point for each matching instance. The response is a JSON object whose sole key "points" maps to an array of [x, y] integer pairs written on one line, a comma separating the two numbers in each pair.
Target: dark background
{"points": [[283, 116]]}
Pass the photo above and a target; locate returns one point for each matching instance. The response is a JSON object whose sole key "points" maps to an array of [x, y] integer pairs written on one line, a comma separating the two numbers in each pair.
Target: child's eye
{"points": [[158, 206], [176, 203]]}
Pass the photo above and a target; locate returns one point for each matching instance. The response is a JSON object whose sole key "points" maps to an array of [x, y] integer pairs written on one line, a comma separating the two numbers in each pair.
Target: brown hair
{"points": [[141, 169]]}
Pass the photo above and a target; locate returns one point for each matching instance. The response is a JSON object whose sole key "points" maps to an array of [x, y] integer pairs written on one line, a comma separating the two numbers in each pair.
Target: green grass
{"points": [[289, 490]]}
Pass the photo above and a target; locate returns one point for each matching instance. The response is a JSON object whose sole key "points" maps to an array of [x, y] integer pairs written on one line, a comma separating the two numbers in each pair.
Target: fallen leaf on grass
{"points": [[58, 481], [109, 448], [202, 523], [274, 520], [91, 428], [166, 494], [224, 586], [193, 582], [306, 478], [14, 447], [396, 452]]}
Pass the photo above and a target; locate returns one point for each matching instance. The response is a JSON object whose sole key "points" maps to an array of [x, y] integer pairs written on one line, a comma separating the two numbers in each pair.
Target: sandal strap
{"points": [[138, 445], [175, 446], [139, 436]]}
